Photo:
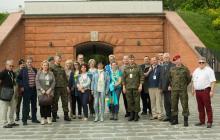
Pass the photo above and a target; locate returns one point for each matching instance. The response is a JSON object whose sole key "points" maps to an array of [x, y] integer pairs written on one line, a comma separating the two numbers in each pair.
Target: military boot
{"points": [[174, 120], [54, 119], [186, 121], [131, 118], [136, 117], [66, 116]]}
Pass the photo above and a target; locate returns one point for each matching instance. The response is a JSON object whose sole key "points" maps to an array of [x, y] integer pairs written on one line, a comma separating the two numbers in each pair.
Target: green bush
{"points": [[216, 23], [213, 13], [3, 16]]}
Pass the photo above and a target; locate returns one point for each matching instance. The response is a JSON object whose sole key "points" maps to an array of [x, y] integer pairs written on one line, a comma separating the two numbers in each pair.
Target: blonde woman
{"points": [[92, 70], [45, 83], [69, 69]]}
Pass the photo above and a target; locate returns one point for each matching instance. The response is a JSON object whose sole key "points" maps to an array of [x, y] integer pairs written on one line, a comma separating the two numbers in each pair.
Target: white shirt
{"points": [[202, 78]]}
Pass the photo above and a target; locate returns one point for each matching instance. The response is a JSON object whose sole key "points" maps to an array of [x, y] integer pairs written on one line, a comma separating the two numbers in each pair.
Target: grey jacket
{"points": [[45, 81]]}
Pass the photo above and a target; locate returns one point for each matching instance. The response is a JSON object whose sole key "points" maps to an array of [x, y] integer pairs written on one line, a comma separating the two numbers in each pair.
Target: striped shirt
{"points": [[31, 77]]}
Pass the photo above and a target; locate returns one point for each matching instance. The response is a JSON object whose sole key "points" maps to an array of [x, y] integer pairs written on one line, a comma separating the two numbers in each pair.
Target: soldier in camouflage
{"points": [[179, 78], [133, 78], [61, 89]]}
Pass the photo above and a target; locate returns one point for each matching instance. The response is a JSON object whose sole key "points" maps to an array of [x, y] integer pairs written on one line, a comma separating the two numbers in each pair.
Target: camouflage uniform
{"points": [[60, 89], [132, 78], [179, 78]]}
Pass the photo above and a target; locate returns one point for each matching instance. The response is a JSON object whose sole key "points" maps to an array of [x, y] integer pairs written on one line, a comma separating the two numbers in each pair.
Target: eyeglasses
{"points": [[201, 62]]}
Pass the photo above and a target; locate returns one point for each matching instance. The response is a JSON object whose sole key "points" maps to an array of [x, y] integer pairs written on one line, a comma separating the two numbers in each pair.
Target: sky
{"points": [[12, 5]]}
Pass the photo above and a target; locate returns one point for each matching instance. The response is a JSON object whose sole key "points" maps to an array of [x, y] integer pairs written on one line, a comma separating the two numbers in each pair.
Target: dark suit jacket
{"points": [[145, 85], [164, 76]]}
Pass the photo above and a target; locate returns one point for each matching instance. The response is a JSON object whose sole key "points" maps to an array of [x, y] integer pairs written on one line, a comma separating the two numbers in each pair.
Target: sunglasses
{"points": [[201, 62]]}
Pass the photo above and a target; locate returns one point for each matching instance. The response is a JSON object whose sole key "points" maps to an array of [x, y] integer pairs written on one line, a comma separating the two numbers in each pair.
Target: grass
{"points": [[201, 25], [3, 16]]}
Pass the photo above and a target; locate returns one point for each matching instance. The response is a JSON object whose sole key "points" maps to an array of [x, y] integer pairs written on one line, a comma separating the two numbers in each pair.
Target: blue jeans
{"points": [[85, 100], [99, 97]]}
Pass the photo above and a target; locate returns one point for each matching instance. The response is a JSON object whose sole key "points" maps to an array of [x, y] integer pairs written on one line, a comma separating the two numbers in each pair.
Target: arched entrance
{"points": [[96, 50]]}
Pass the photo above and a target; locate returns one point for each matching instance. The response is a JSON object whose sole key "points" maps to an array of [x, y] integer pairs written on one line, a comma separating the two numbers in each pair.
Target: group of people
{"points": [[159, 82]]}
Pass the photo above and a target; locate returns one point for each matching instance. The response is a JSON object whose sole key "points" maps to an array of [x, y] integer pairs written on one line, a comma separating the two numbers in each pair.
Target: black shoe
{"points": [[127, 115], [144, 113], [57, 117], [35, 121], [17, 119], [209, 125], [7, 126], [113, 116], [116, 117], [174, 120], [186, 121], [166, 119], [131, 118], [199, 124], [25, 123], [14, 124], [54, 119], [136, 117], [29, 117], [66, 117]]}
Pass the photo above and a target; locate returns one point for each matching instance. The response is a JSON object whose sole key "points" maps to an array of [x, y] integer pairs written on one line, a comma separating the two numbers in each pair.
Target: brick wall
{"points": [[66, 33], [13, 45]]}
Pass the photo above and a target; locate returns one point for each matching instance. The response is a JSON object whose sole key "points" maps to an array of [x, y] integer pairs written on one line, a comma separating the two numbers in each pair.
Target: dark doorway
{"points": [[95, 50]]}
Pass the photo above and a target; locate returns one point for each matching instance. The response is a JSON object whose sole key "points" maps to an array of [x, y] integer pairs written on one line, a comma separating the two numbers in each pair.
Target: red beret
{"points": [[176, 57]]}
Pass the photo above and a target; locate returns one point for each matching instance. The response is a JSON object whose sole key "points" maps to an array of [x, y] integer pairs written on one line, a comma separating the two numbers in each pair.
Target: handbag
{"points": [[45, 100], [6, 94]]}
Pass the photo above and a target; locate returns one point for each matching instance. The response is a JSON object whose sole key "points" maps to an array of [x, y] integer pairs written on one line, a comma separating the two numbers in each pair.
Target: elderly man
{"points": [[179, 77], [203, 86], [7, 81], [164, 84], [80, 59]]}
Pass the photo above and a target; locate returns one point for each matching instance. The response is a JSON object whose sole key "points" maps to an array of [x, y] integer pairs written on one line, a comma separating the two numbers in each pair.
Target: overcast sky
{"points": [[12, 5]]}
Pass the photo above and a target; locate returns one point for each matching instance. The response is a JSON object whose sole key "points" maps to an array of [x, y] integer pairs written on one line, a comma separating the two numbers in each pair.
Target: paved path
{"points": [[145, 129]]}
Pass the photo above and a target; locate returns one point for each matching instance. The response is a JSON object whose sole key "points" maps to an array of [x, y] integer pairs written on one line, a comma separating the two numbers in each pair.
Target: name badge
{"points": [[130, 75], [154, 77], [47, 83]]}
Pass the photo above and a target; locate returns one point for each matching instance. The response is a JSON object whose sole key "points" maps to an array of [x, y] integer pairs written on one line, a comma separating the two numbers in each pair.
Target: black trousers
{"points": [[91, 103], [125, 102], [45, 111], [18, 106], [76, 99], [29, 97], [145, 102], [167, 103]]}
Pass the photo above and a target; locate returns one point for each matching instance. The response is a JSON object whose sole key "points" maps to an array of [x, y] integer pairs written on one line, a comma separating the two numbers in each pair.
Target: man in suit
{"points": [[164, 85], [145, 93]]}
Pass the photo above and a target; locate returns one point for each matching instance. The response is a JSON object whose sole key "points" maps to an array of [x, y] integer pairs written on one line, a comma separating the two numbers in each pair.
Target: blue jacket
{"points": [[94, 84], [154, 77], [22, 78]]}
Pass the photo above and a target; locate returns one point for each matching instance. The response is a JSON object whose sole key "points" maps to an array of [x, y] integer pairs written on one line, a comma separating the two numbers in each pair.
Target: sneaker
{"points": [[42, 121], [85, 119], [49, 120]]}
